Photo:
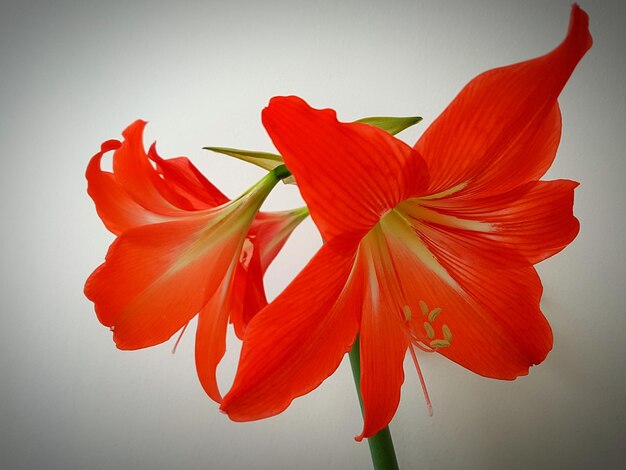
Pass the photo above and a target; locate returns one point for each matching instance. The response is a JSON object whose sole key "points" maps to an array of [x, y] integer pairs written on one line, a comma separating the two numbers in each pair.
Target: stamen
{"points": [[433, 314], [435, 343], [430, 331], [422, 382], [180, 336], [407, 312], [423, 307], [417, 341], [439, 343]]}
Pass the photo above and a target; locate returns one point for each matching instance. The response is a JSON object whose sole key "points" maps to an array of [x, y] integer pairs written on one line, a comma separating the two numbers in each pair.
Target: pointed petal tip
{"points": [[366, 434], [226, 409], [523, 95], [93, 167], [579, 26], [137, 126], [571, 183], [152, 151]]}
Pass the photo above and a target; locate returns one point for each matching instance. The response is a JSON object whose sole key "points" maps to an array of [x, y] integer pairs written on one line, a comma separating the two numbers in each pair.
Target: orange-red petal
{"points": [[117, 209], [185, 179], [503, 128], [134, 172], [248, 293], [267, 235], [157, 277], [211, 338], [241, 295], [137, 193], [534, 220], [493, 314], [271, 230], [348, 173], [292, 345], [383, 337]]}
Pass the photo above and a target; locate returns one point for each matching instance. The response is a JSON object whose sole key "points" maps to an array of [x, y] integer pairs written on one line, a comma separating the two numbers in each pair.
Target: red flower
{"points": [[182, 248], [442, 262]]}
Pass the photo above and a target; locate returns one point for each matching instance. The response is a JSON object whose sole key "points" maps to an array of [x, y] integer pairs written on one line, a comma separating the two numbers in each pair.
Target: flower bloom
{"points": [[182, 249], [429, 247]]}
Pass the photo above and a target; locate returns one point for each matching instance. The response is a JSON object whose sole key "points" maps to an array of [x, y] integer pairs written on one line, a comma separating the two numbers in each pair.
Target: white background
{"points": [[73, 74]]}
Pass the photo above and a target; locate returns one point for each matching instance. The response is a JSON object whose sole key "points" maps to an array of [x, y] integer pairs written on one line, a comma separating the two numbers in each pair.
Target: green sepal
{"points": [[265, 160], [392, 125]]}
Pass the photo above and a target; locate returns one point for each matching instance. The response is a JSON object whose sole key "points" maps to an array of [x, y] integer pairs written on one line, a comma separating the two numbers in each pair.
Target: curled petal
{"points": [[195, 190], [117, 209], [137, 193], [134, 172]]}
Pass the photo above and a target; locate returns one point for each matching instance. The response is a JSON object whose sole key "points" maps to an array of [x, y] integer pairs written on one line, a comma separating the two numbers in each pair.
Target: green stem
{"points": [[281, 172], [381, 445]]}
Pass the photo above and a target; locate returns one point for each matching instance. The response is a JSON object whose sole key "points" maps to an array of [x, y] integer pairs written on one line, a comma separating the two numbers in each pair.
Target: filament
{"points": [[422, 382], [180, 336]]}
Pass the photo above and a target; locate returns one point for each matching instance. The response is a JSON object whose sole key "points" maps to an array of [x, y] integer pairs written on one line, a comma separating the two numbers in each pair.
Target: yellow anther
{"points": [[407, 312], [433, 314], [439, 343], [430, 331], [435, 343]]}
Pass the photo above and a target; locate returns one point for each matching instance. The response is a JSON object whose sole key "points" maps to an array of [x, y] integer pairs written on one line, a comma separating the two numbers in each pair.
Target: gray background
{"points": [[74, 74]]}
